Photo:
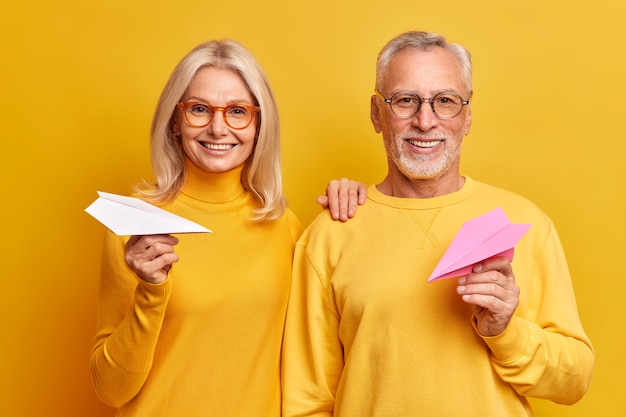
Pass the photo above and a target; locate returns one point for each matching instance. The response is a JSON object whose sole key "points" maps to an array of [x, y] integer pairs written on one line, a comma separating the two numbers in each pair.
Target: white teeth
{"points": [[216, 147], [424, 144]]}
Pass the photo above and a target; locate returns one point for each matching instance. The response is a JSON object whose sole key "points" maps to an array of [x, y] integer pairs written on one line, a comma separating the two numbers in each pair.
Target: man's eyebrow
{"points": [[432, 93]]}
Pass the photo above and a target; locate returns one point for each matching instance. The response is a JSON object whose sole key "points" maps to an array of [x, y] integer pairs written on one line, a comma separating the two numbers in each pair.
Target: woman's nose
{"points": [[218, 126]]}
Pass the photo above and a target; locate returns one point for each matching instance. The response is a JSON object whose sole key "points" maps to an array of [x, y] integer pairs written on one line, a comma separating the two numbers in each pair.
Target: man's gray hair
{"points": [[423, 41]]}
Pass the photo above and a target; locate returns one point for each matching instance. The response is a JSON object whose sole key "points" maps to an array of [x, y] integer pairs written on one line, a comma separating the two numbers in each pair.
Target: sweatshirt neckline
{"points": [[423, 203]]}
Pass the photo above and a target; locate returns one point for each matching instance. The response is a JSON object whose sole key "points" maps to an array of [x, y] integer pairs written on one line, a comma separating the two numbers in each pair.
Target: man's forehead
{"points": [[424, 71]]}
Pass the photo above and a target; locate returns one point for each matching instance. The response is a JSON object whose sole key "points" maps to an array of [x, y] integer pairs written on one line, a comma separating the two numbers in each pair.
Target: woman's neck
{"points": [[212, 187]]}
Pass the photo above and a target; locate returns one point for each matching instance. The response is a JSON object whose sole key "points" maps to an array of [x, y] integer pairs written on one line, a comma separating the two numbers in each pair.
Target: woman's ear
{"points": [[176, 128]]}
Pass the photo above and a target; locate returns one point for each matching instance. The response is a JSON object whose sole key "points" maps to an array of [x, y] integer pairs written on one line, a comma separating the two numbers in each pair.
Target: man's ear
{"points": [[375, 113], [468, 122]]}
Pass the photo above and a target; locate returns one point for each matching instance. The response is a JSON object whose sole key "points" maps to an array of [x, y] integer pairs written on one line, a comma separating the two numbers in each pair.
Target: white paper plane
{"points": [[127, 216]]}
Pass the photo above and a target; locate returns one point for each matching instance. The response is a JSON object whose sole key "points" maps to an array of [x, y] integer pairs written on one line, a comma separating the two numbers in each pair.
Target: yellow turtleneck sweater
{"points": [[207, 341]]}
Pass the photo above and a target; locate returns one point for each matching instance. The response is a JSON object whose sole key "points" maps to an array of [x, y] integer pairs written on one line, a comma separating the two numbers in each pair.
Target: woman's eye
{"points": [[237, 111], [199, 109]]}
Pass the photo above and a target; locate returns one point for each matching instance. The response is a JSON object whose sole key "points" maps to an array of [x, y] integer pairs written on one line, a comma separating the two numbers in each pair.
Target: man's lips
{"points": [[424, 143]]}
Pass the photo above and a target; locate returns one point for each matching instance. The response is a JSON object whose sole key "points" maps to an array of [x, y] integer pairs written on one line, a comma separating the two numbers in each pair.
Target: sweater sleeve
{"points": [[130, 315], [544, 352], [312, 353]]}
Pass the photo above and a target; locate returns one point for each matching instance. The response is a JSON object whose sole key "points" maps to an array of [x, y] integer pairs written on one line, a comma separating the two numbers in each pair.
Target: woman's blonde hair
{"points": [[261, 175]]}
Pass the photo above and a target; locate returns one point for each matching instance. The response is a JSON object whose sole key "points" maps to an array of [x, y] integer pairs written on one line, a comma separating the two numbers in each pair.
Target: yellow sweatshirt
{"points": [[207, 341], [367, 335]]}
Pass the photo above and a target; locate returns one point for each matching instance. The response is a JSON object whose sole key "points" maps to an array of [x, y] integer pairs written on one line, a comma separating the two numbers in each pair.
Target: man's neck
{"points": [[404, 187]]}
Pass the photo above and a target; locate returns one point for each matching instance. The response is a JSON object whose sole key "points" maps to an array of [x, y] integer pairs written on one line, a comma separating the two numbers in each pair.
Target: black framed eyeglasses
{"points": [[406, 104]]}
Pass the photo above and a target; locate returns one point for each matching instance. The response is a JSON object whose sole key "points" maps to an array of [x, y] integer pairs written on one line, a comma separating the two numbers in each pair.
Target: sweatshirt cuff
{"points": [[511, 344]]}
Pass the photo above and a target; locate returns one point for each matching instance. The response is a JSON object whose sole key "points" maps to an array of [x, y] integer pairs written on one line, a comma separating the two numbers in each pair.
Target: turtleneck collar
{"points": [[212, 187]]}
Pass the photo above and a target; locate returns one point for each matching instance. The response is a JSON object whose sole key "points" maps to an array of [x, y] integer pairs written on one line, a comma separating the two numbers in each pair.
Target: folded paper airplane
{"points": [[127, 216], [484, 237]]}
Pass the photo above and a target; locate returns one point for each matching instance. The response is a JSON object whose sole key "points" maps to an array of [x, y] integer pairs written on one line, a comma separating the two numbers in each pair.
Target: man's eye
{"points": [[448, 100], [405, 100]]}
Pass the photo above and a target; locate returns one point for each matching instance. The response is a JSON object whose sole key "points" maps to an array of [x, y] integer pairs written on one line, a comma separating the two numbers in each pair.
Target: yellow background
{"points": [[80, 79]]}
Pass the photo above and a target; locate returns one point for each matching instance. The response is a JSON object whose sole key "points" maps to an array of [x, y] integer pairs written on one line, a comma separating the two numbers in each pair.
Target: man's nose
{"points": [[425, 118]]}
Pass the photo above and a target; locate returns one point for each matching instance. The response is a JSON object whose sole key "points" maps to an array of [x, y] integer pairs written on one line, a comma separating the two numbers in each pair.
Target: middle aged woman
{"points": [[203, 337]]}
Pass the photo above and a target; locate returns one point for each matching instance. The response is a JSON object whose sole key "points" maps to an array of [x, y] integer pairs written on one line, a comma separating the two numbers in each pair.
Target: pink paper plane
{"points": [[484, 237]]}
